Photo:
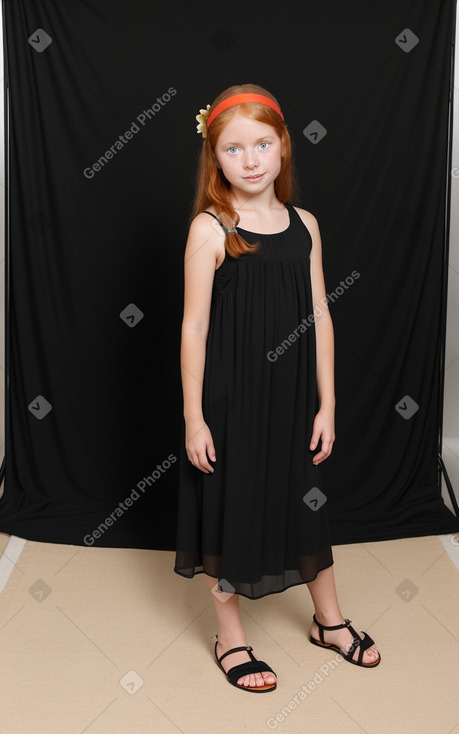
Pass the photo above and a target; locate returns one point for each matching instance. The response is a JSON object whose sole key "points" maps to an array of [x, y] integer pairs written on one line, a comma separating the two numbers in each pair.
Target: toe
{"points": [[373, 651], [256, 680], [371, 655]]}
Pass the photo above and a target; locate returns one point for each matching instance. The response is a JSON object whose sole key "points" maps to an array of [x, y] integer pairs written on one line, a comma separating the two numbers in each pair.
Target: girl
{"points": [[258, 387]]}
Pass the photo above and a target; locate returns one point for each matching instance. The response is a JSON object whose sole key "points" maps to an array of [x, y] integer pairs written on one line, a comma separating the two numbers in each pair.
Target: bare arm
{"points": [[323, 323], [202, 247], [324, 424]]}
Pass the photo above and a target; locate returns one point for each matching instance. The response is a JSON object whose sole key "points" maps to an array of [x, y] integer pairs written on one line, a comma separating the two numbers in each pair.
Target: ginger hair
{"points": [[212, 188]]}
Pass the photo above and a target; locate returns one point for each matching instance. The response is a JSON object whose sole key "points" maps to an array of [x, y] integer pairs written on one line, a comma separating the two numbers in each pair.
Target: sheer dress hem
{"points": [[272, 584]]}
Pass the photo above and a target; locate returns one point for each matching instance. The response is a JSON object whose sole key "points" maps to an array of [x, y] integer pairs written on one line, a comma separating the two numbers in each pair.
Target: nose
{"points": [[251, 160]]}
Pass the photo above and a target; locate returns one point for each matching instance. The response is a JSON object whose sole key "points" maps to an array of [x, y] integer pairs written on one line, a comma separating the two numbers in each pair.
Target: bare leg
{"points": [[231, 633], [327, 611]]}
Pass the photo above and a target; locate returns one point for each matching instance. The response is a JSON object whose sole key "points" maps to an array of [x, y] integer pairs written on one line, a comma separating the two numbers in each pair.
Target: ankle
{"points": [[329, 619], [232, 638]]}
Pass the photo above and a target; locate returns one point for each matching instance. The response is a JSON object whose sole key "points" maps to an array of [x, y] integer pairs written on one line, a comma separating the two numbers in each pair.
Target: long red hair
{"points": [[212, 188]]}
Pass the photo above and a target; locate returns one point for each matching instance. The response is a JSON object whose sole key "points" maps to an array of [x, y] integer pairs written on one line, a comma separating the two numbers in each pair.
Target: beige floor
{"points": [[112, 641]]}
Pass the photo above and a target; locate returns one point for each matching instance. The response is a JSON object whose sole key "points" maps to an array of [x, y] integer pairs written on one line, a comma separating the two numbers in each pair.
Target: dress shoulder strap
{"points": [[225, 229]]}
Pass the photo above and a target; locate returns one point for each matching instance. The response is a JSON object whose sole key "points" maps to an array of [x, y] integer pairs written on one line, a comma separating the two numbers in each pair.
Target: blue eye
{"points": [[232, 148], [264, 143]]}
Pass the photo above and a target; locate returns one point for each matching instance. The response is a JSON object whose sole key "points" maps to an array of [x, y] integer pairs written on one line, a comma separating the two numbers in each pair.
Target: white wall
{"points": [[2, 255], [450, 451]]}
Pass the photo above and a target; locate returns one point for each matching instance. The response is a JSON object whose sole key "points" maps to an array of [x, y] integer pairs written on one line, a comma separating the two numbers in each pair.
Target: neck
{"points": [[263, 202]]}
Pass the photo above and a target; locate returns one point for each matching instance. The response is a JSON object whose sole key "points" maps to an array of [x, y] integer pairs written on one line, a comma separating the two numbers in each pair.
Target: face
{"points": [[249, 153]]}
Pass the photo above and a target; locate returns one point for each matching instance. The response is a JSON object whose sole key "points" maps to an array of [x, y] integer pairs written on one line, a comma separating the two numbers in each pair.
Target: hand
{"points": [[323, 429], [199, 445]]}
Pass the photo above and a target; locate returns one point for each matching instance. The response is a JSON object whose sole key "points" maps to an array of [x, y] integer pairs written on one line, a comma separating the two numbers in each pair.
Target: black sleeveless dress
{"points": [[259, 522]]}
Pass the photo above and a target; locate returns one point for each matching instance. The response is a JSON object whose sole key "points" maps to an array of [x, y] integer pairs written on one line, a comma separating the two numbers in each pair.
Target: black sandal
{"points": [[255, 666], [357, 642]]}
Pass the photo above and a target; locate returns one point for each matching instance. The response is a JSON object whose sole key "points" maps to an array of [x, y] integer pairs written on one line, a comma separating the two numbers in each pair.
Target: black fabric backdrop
{"points": [[95, 256]]}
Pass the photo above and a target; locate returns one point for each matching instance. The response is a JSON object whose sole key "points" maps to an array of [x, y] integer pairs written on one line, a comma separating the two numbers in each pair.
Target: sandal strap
{"points": [[236, 649], [357, 642], [322, 627], [363, 644], [257, 666], [346, 623]]}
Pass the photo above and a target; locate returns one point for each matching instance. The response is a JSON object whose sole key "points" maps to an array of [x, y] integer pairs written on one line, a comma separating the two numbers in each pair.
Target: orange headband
{"points": [[240, 99]]}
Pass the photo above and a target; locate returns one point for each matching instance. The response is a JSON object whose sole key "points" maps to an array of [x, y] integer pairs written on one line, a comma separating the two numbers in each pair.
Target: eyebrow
{"points": [[265, 137]]}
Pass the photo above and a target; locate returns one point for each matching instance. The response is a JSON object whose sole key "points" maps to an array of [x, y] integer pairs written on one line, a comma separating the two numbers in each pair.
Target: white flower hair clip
{"points": [[202, 120]]}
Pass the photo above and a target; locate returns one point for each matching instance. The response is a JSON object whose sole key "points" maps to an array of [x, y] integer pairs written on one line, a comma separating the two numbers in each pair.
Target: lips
{"points": [[253, 178]]}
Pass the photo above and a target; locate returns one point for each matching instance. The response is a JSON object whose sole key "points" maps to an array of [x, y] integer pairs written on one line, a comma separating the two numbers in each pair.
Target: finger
{"points": [[209, 453], [318, 458], [195, 460], [314, 440], [324, 453], [326, 447], [204, 463]]}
